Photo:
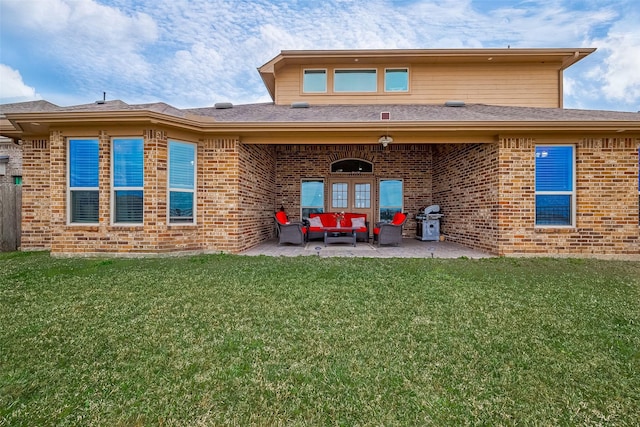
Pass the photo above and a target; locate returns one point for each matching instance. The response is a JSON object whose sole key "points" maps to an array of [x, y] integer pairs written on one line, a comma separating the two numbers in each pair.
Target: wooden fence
{"points": [[10, 216]]}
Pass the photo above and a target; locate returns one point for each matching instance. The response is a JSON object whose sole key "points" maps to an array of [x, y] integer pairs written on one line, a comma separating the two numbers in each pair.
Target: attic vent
{"points": [[454, 104], [299, 105], [223, 105]]}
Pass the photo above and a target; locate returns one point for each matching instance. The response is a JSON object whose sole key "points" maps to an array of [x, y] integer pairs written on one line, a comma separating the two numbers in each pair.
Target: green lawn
{"points": [[232, 340]]}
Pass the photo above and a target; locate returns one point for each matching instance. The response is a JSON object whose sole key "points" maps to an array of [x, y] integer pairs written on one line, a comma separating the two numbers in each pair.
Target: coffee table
{"points": [[339, 235]]}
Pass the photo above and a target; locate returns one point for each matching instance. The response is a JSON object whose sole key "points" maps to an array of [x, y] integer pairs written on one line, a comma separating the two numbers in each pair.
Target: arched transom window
{"points": [[352, 166]]}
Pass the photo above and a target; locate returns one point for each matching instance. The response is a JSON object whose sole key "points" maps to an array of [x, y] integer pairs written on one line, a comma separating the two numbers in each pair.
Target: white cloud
{"points": [[619, 73], [13, 88], [193, 53], [93, 43]]}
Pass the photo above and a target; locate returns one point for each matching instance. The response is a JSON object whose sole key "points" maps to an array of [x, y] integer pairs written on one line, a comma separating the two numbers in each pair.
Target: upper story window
{"points": [[314, 81], [396, 80], [128, 180], [83, 181], [351, 80], [182, 182], [555, 185]]}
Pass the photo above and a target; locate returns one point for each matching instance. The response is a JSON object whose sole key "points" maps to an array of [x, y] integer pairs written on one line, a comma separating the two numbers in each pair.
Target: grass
{"points": [[231, 340]]}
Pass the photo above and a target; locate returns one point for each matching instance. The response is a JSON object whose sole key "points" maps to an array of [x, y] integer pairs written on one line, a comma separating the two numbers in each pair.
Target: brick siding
{"points": [[606, 197], [465, 185], [36, 202], [486, 192]]}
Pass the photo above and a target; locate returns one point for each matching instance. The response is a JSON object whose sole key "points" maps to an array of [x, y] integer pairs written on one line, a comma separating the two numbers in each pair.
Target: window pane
{"points": [[83, 163], [128, 163], [363, 196], [181, 165], [181, 206], [315, 81], [554, 168], [339, 195], [312, 194], [391, 193], [390, 198], [84, 206], [355, 81], [352, 165], [129, 206], [553, 210], [396, 80], [306, 212]]}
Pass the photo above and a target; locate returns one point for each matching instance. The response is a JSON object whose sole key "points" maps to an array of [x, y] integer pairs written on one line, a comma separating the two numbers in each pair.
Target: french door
{"points": [[352, 195]]}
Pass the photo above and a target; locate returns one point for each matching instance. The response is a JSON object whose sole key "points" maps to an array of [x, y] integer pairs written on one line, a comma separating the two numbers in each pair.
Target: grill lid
{"points": [[430, 213]]}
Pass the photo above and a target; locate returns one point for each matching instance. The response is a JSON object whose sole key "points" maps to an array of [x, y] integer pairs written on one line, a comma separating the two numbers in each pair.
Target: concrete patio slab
{"points": [[410, 248]]}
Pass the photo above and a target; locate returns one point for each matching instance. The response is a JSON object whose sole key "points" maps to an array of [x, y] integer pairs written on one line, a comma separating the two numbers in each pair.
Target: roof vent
{"points": [[223, 105], [454, 104], [301, 104]]}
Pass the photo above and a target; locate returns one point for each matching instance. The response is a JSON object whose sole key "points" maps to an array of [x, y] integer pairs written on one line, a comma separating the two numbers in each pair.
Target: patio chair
{"points": [[290, 232], [390, 233]]}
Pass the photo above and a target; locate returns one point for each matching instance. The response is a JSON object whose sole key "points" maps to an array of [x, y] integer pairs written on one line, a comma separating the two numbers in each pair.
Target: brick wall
{"points": [[257, 194], [486, 192], [235, 194], [235, 199], [606, 197], [36, 209], [411, 163], [465, 185]]}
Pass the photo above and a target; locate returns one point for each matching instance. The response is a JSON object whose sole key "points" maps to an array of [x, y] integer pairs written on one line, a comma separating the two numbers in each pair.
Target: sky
{"points": [[194, 53]]}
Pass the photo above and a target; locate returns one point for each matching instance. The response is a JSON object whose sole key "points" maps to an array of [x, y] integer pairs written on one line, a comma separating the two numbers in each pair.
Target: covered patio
{"points": [[410, 248]]}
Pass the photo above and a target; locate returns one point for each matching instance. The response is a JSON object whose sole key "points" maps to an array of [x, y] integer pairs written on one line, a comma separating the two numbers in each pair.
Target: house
{"points": [[480, 132]]}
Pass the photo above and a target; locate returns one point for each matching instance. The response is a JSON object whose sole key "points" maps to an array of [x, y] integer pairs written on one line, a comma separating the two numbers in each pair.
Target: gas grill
{"points": [[428, 227]]}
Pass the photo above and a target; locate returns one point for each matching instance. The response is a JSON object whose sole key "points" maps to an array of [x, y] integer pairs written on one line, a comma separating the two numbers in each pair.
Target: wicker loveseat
{"points": [[329, 219]]}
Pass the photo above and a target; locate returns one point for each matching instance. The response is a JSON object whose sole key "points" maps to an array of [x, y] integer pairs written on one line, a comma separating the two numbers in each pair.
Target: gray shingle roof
{"points": [[411, 113], [270, 113]]}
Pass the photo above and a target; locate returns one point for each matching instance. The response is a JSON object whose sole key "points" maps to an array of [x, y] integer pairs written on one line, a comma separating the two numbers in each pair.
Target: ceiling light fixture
{"points": [[385, 140]]}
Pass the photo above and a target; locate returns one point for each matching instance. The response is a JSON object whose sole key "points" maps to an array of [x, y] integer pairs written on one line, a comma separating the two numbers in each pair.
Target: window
{"points": [[312, 197], [314, 81], [390, 198], [555, 196], [128, 180], [182, 182], [362, 191], [339, 195], [352, 166], [396, 80], [355, 81], [83, 173]]}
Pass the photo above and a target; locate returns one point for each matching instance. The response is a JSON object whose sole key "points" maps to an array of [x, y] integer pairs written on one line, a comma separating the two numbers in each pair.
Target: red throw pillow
{"points": [[282, 217], [398, 218]]}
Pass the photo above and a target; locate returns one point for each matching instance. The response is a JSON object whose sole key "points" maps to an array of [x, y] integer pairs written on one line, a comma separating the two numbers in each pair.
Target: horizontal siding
{"points": [[531, 85]]}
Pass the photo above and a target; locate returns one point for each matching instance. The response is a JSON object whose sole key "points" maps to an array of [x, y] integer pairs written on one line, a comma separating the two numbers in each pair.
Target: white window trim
{"points": [[337, 70], [112, 200], [182, 190], [385, 80], [326, 80], [557, 193], [70, 189]]}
